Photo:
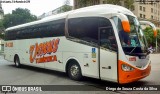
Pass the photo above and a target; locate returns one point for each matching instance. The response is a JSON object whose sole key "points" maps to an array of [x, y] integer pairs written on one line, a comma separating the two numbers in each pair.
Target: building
{"points": [[148, 12], [77, 3]]}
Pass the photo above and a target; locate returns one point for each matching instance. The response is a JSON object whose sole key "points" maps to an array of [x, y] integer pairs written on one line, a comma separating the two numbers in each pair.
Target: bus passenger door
{"points": [[107, 54]]}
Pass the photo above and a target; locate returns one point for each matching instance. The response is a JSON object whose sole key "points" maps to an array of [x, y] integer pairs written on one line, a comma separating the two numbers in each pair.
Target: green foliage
{"points": [[1, 24], [65, 8], [1, 30], [18, 16], [150, 36], [84, 3], [1, 35], [115, 2], [129, 4]]}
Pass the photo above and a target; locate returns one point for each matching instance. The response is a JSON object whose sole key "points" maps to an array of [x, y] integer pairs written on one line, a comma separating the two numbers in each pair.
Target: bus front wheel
{"points": [[74, 71], [17, 62]]}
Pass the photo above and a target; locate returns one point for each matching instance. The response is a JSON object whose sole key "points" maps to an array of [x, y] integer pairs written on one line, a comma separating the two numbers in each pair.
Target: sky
{"points": [[36, 7]]}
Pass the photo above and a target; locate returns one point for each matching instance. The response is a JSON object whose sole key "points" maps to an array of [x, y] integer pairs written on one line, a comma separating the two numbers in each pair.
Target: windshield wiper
{"points": [[133, 49], [147, 51]]}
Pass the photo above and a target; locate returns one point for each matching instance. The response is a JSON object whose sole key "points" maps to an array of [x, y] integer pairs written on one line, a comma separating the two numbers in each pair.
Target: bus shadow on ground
{"points": [[103, 84], [41, 70], [85, 80]]}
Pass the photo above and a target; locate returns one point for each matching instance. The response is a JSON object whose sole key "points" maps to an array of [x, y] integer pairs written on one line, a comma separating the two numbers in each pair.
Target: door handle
{"points": [[109, 67]]}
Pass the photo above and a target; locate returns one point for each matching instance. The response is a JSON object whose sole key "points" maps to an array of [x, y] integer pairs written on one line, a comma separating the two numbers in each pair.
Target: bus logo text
{"points": [[42, 52], [9, 44]]}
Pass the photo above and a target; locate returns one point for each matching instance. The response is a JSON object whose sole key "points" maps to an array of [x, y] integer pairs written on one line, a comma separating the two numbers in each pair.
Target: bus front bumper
{"points": [[131, 76]]}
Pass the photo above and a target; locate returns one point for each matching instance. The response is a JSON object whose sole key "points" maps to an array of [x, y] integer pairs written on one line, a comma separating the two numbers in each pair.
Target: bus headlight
{"points": [[127, 68]]}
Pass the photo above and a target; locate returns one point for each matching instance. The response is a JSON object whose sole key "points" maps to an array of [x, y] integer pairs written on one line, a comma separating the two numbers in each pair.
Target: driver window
{"points": [[107, 37]]}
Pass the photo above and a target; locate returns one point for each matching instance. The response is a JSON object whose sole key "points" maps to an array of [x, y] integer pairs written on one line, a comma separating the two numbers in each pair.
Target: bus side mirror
{"points": [[126, 26], [151, 25], [155, 33]]}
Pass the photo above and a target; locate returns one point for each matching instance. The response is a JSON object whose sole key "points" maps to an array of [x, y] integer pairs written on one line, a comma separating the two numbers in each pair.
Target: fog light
{"points": [[127, 68]]}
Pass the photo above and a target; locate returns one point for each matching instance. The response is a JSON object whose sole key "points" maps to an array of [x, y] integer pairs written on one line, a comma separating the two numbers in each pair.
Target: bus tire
{"points": [[17, 62], [74, 71]]}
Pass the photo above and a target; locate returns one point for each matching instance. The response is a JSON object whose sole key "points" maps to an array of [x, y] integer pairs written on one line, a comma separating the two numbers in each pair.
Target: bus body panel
{"points": [[108, 65]]}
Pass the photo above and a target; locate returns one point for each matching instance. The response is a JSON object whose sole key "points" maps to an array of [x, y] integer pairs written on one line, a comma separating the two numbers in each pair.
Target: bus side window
{"points": [[107, 39], [12, 35], [53, 29], [84, 28]]}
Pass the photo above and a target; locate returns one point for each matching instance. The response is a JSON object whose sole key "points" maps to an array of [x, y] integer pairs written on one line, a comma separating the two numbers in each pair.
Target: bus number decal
{"points": [[42, 52]]}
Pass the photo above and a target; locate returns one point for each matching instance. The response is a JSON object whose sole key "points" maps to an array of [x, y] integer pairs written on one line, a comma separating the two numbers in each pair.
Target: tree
{"points": [[115, 2], [158, 38], [67, 2], [66, 7], [82, 3], [1, 30], [85, 3], [1, 35], [150, 37], [129, 4], [18, 16], [1, 26]]}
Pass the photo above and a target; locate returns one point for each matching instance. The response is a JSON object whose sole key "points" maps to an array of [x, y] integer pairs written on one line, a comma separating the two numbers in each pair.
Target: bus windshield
{"points": [[133, 42]]}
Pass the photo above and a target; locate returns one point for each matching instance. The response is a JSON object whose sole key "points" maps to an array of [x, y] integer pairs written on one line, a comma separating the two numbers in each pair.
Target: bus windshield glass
{"points": [[133, 42]]}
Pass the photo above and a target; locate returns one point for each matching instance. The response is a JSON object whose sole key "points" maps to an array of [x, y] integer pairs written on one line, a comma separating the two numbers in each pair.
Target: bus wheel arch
{"points": [[73, 69], [17, 61]]}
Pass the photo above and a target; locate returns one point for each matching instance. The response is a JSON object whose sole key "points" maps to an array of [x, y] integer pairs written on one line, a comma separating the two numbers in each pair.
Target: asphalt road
{"points": [[10, 75]]}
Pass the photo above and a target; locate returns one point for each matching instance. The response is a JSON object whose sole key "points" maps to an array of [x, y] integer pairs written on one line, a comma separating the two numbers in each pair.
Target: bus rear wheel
{"points": [[74, 71], [17, 62]]}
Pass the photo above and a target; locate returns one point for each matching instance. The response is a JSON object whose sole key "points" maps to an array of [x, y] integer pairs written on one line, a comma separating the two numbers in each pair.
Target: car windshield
{"points": [[133, 42]]}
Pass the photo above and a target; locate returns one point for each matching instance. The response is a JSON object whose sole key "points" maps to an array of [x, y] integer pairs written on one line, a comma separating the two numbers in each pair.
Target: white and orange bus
{"points": [[102, 41]]}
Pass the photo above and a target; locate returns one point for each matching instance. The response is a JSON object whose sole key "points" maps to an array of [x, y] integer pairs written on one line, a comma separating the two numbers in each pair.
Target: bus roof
{"points": [[95, 10]]}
